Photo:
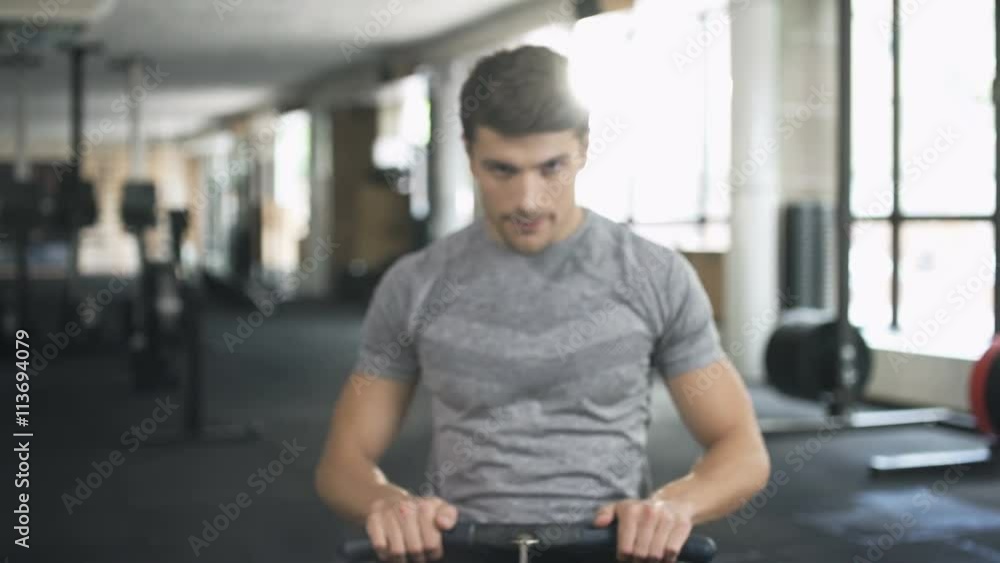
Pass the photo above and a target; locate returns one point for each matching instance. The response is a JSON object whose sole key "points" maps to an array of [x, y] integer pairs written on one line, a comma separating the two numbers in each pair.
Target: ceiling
{"points": [[220, 57]]}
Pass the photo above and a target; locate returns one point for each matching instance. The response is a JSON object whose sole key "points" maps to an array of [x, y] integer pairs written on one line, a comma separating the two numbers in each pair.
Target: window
{"points": [[657, 81], [285, 211], [404, 131], [924, 264]]}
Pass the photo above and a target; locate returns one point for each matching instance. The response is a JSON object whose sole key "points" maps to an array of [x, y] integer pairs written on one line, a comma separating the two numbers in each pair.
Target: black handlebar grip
{"points": [[358, 550], [462, 534], [697, 549]]}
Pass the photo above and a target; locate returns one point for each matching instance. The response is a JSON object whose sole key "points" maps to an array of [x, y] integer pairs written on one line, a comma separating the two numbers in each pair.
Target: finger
{"points": [[429, 533], [661, 537], [409, 519], [649, 516], [675, 543], [628, 518], [394, 535], [604, 516], [376, 535], [446, 516]]}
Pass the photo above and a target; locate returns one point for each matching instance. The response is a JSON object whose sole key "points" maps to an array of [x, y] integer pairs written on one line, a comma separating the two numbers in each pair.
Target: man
{"points": [[537, 331]]}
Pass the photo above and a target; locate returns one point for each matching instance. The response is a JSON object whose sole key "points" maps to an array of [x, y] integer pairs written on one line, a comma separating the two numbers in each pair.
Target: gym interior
{"points": [[198, 199]]}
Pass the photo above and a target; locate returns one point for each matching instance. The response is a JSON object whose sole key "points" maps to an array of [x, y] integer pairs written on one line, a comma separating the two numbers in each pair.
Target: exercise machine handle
{"points": [[697, 549]]}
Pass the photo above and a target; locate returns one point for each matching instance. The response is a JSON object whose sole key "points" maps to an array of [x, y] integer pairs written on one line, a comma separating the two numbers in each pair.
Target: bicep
{"points": [[367, 416], [713, 401]]}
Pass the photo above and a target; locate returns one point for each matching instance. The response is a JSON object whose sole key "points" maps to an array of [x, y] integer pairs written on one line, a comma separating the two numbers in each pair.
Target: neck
{"points": [[574, 222]]}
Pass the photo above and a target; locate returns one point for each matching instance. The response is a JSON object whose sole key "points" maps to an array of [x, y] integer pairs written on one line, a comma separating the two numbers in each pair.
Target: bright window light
{"points": [[602, 61], [658, 85], [947, 163]]}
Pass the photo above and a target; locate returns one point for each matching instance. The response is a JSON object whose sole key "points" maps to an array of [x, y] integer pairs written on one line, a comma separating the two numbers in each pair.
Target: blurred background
{"points": [[198, 197]]}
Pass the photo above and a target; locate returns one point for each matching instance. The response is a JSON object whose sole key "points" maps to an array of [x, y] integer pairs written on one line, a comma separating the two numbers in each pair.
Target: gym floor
{"points": [[822, 504]]}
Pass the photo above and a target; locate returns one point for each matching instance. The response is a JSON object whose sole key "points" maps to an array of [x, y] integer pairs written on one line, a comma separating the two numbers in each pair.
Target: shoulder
{"points": [[636, 253], [419, 267]]}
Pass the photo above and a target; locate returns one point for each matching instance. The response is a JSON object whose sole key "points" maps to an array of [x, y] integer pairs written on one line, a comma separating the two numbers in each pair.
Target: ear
{"points": [[468, 153], [584, 148]]}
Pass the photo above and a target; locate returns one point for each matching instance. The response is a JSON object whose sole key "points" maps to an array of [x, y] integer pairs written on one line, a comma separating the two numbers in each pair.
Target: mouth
{"points": [[527, 225]]}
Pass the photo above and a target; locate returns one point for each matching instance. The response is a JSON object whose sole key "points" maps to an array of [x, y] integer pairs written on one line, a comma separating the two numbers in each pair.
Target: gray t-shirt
{"points": [[539, 367]]}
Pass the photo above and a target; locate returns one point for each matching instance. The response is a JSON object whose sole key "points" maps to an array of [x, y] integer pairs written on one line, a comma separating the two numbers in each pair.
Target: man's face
{"points": [[527, 185]]}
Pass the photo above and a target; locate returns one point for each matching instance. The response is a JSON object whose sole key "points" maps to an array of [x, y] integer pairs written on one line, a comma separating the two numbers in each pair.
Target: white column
{"points": [[453, 196], [751, 272], [318, 284]]}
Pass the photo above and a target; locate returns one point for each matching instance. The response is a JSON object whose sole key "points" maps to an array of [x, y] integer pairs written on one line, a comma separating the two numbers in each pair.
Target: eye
{"points": [[552, 167], [502, 170]]}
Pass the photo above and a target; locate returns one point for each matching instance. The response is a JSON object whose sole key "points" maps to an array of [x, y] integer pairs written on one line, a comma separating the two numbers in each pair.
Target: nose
{"points": [[532, 193]]}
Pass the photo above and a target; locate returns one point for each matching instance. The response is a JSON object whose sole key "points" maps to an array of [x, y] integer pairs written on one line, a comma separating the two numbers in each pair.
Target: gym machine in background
{"points": [[149, 372], [165, 310], [20, 207], [76, 203], [155, 308], [19, 215], [57, 209], [816, 356]]}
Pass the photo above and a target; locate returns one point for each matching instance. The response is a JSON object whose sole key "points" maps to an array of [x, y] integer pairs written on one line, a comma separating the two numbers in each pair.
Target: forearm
{"points": [[731, 471], [351, 486]]}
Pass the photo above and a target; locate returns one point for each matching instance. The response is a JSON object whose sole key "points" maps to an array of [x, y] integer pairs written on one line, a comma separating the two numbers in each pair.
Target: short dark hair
{"points": [[519, 92]]}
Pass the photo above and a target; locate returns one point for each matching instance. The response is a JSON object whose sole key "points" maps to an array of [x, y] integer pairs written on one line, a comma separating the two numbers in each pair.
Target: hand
{"points": [[648, 530], [409, 528]]}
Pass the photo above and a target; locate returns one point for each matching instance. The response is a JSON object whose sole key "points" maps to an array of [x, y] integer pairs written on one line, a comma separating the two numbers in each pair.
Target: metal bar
{"points": [[137, 156], [22, 170], [846, 369], [895, 218], [191, 315], [864, 420], [928, 218], [705, 148], [71, 188], [77, 54], [140, 329], [681, 222], [996, 208], [24, 320], [901, 417], [959, 218], [928, 460]]}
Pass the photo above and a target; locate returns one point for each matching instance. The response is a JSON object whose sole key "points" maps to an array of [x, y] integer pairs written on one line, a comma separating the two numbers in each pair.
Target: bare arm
{"points": [[366, 419], [715, 406]]}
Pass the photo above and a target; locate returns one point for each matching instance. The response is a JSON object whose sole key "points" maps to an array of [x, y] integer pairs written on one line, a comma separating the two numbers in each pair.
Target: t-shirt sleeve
{"points": [[689, 338], [387, 347]]}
